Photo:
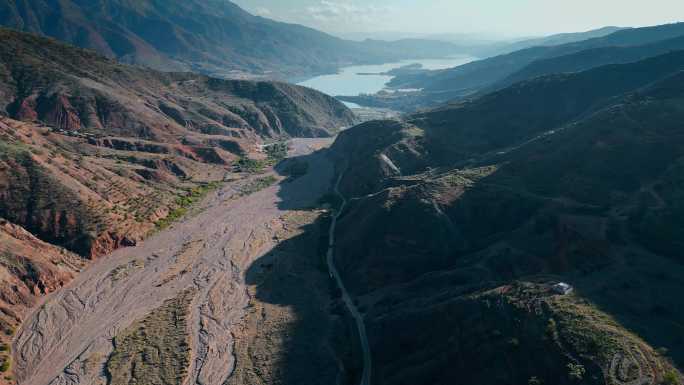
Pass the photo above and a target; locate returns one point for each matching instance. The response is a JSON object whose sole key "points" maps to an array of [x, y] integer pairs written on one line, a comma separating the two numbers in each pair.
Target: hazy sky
{"points": [[500, 17]]}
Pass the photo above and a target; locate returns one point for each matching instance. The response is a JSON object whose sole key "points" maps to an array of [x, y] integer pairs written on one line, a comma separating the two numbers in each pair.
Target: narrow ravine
{"points": [[358, 318]]}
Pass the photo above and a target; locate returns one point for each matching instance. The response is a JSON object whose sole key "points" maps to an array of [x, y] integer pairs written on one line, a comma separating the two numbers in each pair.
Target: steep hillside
{"points": [[563, 38], [461, 226], [29, 269], [478, 74], [75, 89], [95, 154], [489, 49], [92, 196], [509, 117], [591, 58], [213, 37]]}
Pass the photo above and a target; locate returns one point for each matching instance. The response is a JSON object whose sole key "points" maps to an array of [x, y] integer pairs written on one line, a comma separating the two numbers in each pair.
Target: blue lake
{"points": [[348, 82]]}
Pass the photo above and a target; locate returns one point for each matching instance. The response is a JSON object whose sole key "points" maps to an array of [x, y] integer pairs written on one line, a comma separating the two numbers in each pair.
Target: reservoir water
{"points": [[350, 82]]}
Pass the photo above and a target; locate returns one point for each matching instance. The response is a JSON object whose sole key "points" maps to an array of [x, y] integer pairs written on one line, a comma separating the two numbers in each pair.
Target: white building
{"points": [[562, 288]]}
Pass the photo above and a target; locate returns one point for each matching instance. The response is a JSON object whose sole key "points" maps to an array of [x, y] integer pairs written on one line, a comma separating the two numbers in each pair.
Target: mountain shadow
{"points": [[297, 331]]}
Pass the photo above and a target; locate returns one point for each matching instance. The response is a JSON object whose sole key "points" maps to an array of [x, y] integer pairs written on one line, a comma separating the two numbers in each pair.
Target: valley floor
{"points": [[221, 297]]}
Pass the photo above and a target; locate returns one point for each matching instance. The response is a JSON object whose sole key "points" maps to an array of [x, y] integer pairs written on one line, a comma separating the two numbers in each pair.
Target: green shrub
{"points": [[249, 165], [277, 152], [671, 378], [191, 197], [576, 372], [258, 185], [513, 342], [551, 329]]}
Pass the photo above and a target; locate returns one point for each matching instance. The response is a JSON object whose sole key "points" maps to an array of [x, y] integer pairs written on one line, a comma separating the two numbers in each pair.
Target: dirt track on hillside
{"points": [[68, 339]]}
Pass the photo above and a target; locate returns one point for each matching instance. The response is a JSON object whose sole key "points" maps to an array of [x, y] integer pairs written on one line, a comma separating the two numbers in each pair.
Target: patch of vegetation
{"points": [[11, 261], [258, 185], [6, 364], [414, 132], [183, 203], [671, 378], [277, 151], [576, 372], [587, 329], [250, 166], [123, 271], [12, 150], [154, 350], [6, 328]]}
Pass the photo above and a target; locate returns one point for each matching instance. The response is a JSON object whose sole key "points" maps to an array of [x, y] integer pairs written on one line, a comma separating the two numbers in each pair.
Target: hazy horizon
{"points": [[485, 19]]}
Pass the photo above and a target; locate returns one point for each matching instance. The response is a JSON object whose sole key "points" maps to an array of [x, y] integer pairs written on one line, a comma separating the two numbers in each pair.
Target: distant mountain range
{"points": [[486, 75], [474, 75], [501, 48], [483, 45], [450, 227], [214, 37], [591, 58]]}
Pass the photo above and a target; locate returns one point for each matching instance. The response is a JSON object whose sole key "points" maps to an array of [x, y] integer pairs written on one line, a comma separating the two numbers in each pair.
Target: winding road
{"points": [[360, 325]]}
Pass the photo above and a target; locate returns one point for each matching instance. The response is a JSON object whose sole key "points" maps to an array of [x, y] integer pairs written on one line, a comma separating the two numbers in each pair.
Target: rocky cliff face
{"points": [[29, 269], [94, 155], [211, 37], [92, 198], [74, 89], [462, 224]]}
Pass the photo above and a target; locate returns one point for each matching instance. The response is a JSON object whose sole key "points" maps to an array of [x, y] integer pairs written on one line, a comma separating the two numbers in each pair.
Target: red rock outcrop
{"points": [[29, 269]]}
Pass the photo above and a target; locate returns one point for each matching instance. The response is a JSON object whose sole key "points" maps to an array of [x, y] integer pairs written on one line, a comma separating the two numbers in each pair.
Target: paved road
{"points": [[365, 347]]}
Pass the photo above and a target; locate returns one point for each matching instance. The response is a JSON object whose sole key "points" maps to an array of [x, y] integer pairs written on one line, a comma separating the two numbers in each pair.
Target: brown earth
{"points": [[239, 257], [29, 269], [96, 156], [77, 90], [90, 198]]}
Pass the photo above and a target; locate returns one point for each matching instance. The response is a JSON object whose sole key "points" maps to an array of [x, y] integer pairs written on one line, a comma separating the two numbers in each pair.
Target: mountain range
{"points": [[96, 155], [489, 74], [523, 224], [214, 37], [461, 219], [478, 74]]}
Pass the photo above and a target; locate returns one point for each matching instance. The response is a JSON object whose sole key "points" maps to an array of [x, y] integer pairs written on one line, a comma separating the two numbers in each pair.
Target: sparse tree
{"points": [[576, 371], [671, 378]]}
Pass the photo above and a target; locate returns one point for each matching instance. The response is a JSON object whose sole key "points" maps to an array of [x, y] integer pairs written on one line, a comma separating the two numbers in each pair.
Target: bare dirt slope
{"points": [[192, 273]]}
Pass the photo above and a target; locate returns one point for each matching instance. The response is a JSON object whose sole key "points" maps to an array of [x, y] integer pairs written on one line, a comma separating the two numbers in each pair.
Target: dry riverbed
{"points": [[237, 293]]}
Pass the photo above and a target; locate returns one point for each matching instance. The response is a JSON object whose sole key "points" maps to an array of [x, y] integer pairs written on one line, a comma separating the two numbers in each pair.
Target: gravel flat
{"points": [[68, 339]]}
